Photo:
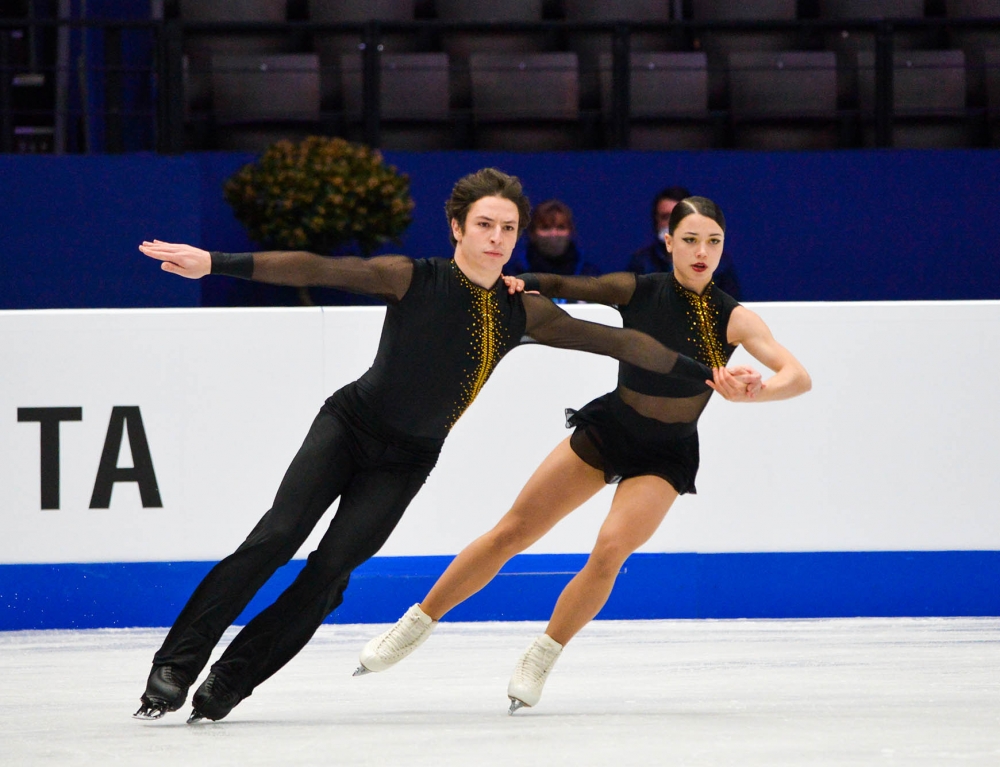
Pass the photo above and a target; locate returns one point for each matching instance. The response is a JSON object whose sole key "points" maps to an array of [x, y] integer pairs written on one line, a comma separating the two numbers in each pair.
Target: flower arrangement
{"points": [[321, 194]]}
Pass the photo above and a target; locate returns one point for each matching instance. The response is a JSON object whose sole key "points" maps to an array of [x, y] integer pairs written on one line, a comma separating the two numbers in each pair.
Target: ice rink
{"points": [[745, 692]]}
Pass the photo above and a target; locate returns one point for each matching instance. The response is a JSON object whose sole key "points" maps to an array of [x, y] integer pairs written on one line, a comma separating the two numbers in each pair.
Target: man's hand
{"points": [[736, 384], [185, 260]]}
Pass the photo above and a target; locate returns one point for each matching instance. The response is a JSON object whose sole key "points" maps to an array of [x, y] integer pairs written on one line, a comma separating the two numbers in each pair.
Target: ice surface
{"points": [[624, 693]]}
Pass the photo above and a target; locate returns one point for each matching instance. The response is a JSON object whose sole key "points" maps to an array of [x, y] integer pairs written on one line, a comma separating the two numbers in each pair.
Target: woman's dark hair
{"points": [[546, 213], [488, 182], [700, 205]]}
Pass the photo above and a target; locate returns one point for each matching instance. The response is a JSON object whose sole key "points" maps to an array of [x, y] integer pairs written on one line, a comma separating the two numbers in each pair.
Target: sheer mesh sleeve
{"points": [[387, 277], [613, 289], [548, 324]]}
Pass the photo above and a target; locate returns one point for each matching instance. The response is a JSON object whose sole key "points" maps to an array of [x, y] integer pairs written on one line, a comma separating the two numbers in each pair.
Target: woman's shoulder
{"points": [[723, 299], [654, 283]]}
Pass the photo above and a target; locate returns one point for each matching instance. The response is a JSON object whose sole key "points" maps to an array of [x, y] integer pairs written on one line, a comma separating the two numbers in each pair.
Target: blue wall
{"points": [[651, 586], [827, 226], [70, 226]]}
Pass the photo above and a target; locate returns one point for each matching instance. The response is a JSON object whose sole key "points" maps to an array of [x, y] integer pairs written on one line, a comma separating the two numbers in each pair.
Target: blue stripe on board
{"points": [[765, 585]]}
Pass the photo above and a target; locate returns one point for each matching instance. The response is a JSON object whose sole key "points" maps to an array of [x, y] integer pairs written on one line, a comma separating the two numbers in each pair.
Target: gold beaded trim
{"points": [[486, 339], [703, 318]]}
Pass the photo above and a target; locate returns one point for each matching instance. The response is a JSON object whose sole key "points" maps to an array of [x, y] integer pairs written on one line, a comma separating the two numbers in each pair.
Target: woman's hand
{"points": [[185, 260], [514, 285], [747, 375], [736, 384]]}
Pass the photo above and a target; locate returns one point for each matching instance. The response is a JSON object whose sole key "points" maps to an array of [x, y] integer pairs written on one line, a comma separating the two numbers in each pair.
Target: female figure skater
{"points": [[643, 435]]}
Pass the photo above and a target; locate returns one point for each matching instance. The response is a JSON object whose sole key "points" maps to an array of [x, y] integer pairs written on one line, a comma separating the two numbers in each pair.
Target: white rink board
{"points": [[893, 450]]}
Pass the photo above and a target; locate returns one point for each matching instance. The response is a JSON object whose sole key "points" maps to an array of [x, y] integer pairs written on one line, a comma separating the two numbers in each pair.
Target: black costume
{"points": [[372, 444], [648, 425]]}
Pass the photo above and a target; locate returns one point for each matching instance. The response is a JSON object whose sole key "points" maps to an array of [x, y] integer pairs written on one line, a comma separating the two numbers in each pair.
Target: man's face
{"points": [[490, 234], [663, 210]]}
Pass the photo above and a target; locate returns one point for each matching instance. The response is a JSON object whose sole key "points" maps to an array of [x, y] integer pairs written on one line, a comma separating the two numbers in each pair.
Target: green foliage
{"points": [[321, 194]]}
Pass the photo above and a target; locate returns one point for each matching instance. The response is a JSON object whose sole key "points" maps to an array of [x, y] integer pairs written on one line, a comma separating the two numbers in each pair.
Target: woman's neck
{"points": [[695, 287]]}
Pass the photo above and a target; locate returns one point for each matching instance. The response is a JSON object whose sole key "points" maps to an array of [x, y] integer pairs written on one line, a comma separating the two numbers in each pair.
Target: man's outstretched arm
{"points": [[387, 277], [550, 325]]}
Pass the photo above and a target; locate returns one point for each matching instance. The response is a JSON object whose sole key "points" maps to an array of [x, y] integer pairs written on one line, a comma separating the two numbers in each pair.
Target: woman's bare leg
{"points": [[560, 484], [639, 506]]}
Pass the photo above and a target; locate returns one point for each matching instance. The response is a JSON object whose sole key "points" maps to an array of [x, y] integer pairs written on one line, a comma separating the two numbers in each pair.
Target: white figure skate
{"points": [[390, 647], [531, 671]]}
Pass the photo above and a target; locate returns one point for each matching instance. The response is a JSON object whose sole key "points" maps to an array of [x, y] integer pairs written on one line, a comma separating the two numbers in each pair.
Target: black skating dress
{"points": [[649, 424]]}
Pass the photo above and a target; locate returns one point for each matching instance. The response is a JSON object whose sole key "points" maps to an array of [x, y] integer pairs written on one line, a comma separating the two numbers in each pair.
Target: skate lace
{"points": [[164, 683], [400, 637], [536, 663], [218, 689]]}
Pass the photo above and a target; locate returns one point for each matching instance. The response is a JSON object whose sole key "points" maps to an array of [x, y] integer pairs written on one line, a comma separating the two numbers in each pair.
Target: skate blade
{"points": [[515, 704], [361, 671], [195, 717], [149, 713]]}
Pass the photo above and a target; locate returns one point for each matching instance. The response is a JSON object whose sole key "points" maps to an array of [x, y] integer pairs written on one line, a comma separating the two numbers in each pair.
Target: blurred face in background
{"points": [[663, 210], [551, 234]]}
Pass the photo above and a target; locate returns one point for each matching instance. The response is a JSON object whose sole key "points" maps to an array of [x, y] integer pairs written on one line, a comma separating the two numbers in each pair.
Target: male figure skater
{"points": [[374, 442]]}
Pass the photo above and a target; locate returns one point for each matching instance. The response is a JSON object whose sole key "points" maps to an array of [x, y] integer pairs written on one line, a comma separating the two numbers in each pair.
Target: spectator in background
{"points": [[654, 257], [551, 248]]}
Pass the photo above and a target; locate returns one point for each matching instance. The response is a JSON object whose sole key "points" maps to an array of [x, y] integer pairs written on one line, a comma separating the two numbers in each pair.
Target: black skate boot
{"points": [[165, 691], [214, 699]]}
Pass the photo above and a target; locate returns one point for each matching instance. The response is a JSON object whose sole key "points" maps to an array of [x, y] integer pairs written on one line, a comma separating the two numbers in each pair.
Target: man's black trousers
{"points": [[375, 475]]}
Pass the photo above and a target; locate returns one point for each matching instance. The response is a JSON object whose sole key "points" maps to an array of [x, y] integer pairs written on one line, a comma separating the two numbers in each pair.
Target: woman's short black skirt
{"points": [[612, 437]]}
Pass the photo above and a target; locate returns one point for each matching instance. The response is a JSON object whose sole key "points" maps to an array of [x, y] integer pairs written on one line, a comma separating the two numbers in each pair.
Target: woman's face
{"points": [[696, 248]]}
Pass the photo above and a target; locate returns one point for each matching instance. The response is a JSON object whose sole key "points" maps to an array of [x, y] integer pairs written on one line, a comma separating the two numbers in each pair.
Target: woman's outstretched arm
{"points": [[614, 289]]}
